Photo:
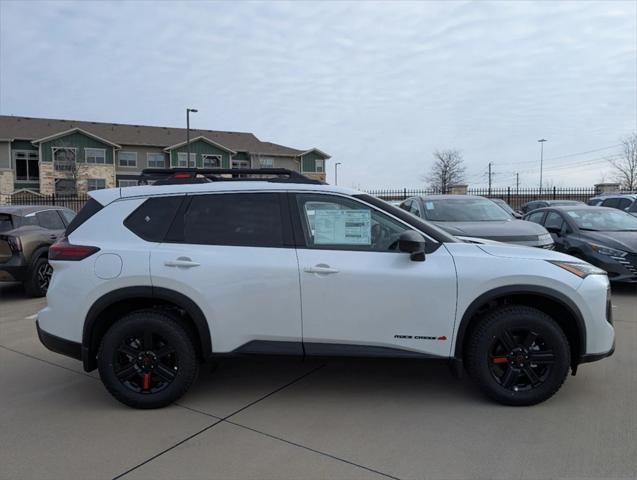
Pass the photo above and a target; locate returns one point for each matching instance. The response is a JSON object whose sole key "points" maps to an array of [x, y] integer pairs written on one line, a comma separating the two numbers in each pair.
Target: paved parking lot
{"points": [[340, 419]]}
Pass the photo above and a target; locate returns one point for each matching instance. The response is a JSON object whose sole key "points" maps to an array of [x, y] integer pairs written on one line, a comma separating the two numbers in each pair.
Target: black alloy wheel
{"points": [[518, 355], [147, 359], [44, 273]]}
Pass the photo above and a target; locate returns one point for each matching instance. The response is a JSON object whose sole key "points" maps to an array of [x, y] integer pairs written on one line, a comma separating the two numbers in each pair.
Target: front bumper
{"points": [[619, 270], [59, 345], [594, 357]]}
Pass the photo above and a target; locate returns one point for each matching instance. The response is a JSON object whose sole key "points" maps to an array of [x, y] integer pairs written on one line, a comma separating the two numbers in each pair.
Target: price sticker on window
{"points": [[342, 227]]}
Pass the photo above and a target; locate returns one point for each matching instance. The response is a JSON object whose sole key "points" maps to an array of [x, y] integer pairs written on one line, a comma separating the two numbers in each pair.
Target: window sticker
{"points": [[342, 227], [429, 205]]}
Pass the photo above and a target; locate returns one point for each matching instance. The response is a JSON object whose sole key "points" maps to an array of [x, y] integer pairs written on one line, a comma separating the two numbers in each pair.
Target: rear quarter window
{"points": [[152, 219], [6, 223], [89, 209]]}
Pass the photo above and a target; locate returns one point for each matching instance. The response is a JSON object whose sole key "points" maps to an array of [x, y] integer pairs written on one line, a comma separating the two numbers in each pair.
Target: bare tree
{"points": [[448, 169], [625, 164]]}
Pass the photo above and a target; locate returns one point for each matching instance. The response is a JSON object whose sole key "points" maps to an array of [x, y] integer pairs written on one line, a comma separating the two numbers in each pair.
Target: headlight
{"points": [[582, 270], [611, 252]]}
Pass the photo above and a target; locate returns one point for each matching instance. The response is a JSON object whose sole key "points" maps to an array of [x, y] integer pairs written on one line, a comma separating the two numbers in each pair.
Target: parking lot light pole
{"points": [[188, 110], [541, 140], [336, 172]]}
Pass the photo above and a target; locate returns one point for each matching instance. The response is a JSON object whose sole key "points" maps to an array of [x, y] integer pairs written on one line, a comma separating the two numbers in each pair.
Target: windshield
{"points": [[464, 210], [557, 203], [603, 220]]}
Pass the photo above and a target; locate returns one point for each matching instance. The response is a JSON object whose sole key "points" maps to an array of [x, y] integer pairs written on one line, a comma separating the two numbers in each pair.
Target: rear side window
{"points": [[624, 203], [245, 219], [152, 219], [610, 202], [68, 215], [89, 209], [50, 220]]}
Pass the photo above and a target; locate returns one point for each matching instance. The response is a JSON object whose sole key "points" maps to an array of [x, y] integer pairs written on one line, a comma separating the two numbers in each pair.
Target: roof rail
{"points": [[174, 176]]}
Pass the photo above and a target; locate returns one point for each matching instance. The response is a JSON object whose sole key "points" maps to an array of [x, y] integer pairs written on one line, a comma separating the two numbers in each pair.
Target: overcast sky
{"points": [[377, 85]]}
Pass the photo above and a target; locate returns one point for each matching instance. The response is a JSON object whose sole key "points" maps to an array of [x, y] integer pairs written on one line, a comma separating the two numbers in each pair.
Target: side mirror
{"points": [[413, 243]]}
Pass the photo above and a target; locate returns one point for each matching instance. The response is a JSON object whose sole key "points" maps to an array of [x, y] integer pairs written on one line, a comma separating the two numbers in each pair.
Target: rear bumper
{"points": [[59, 345], [14, 269]]}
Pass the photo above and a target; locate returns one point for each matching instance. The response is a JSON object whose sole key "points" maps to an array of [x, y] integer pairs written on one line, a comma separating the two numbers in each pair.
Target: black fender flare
{"points": [[545, 292], [148, 293]]}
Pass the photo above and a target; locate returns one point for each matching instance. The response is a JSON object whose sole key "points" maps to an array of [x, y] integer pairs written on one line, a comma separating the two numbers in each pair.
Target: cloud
{"points": [[379, 85]]}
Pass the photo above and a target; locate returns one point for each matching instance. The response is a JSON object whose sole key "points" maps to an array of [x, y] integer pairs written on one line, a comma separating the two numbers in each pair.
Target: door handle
{"points": [[320, 268], [183, 262]]}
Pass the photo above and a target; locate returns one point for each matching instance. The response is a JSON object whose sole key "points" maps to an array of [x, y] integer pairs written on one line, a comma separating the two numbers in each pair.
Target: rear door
{"points": [[233, 255]]}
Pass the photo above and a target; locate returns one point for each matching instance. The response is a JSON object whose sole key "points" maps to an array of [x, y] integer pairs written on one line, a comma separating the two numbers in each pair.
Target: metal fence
{"points": [[516, 197], [74, 202]]}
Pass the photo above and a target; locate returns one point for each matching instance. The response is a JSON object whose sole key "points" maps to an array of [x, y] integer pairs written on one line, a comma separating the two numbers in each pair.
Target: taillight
{"points": [[63, 250], [14, 243]]}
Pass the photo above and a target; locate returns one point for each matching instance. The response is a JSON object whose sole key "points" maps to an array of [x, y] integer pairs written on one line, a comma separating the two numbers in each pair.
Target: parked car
{"points": [[507, 208], [535, 204], [623, 202], [165, 277], [599, 199], [472, 216], [602, 236], [26, 232]]}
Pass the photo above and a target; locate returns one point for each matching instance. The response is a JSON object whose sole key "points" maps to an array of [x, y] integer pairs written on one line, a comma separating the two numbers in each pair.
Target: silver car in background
{"points": [[479, 217]]}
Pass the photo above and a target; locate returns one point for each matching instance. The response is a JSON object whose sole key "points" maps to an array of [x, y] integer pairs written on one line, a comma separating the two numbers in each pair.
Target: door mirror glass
{"points": [[413, 243]]}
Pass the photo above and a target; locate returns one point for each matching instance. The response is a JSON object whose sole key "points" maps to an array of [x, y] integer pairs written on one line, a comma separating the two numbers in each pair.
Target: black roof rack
{"points": [[175, 176]]}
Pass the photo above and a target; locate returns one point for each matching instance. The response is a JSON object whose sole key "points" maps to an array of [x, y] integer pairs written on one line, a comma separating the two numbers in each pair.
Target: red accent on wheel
{"points": [[499, 360], [146, 380]]}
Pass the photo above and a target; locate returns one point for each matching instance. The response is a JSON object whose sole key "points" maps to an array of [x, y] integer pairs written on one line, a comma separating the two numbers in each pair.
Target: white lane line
{"points": [[31, 317]]}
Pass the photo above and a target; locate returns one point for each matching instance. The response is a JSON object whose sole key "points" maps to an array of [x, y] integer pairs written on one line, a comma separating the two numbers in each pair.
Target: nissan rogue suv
{"points": [[199, 265]]}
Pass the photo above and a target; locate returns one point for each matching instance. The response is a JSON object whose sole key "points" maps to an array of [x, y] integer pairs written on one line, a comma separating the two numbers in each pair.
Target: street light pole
{"points": [[188, 110], [541, 140], [336, 172]]}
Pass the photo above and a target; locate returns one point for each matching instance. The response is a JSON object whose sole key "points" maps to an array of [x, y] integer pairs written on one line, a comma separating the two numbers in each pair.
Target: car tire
{"points": [[38, 278], [518, 355], [147, 359]]}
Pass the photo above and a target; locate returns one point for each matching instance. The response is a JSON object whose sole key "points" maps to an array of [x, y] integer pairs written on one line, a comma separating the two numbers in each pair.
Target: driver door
{"points": [[358, 292]]}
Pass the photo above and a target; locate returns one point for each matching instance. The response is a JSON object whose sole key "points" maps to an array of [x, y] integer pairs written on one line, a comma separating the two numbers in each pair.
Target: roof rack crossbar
{"points": [[171, 176]]}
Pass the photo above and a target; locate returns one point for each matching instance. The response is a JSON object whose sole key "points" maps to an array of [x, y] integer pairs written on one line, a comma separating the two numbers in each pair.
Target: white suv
{"points": [[150, 281]]}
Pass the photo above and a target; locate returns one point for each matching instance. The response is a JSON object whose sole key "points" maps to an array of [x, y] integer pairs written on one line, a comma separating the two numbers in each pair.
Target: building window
{"points": [[127, 183], [155, 160], [211, 161], [320, 165], [95, 155], [26, 165], [266, 162], [65, 186], [181, 160], [240, 164], [127, 159], [64, 158], [96, 184]]}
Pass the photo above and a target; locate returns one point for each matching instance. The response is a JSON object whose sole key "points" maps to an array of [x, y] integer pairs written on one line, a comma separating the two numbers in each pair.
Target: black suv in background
{"points": [[26, 232]]}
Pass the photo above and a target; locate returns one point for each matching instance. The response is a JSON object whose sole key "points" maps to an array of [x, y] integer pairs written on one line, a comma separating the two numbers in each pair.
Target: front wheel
{"points": [[147, 360], [518, 355]]}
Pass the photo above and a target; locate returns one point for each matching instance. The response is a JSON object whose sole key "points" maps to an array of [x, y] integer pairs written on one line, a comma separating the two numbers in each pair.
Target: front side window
{"points": [[95, 155], [339, 223], [155, 160], [127, 159], [26, 165], [211, 161], [624, 203], [611, 202], [415, 208], [64, 158], [96, 184], [183, 162], [50, 220], [244, 219], [535, 217], [554, 221]]}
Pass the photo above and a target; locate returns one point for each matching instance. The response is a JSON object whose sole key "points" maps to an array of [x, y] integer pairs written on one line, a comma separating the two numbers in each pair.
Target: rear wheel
{"points": [[38, 278], [518, 355], [147, 360]]}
